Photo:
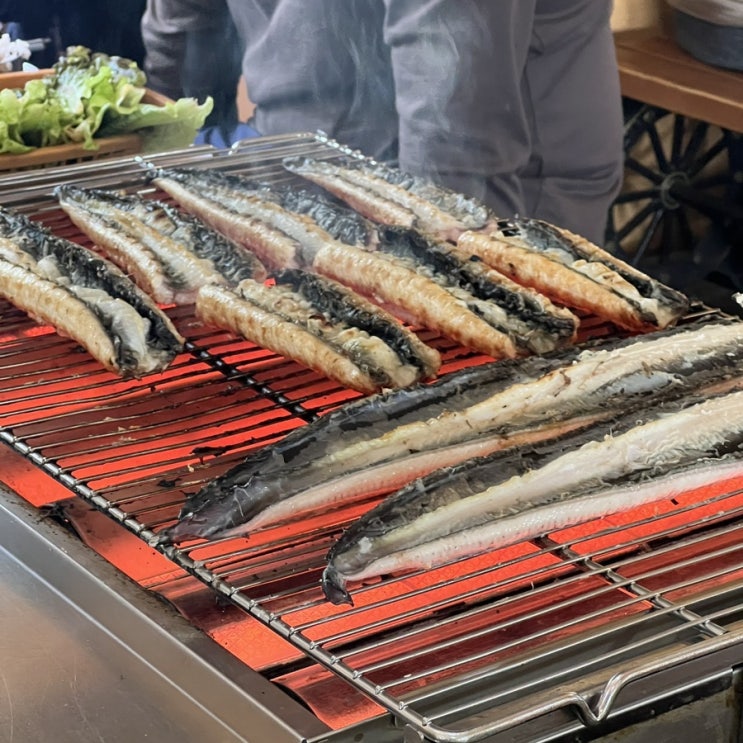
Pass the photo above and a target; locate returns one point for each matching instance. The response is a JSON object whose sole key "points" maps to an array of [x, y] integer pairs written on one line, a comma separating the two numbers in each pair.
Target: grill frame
{"points": [[219, 360]]}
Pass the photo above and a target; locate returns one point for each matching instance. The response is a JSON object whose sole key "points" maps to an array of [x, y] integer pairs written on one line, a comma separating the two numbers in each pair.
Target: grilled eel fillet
{"points": [[391, 196], [650, 454], [247, 213], [84, 297], [565, 267], [254, 215], [574, 272], [325, 326], [532, 321], [528, 317], [168, 254], [384, 441]]}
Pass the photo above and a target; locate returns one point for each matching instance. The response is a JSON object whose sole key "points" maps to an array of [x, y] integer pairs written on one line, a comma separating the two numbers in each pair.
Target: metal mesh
{"points": [[460, 652]]}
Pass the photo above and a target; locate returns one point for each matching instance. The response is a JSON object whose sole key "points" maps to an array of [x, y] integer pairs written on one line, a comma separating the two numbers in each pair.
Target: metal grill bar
{"points": [[688, 619], [434, 648], [634, 585]]}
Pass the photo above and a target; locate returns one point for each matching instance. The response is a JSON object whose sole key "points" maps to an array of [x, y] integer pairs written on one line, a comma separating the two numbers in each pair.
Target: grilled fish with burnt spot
{"points": [[84, 297], [168, 254], [573, 271], [565, 267], [383, 442], [528, 317], [324, 326], [532, 322]]}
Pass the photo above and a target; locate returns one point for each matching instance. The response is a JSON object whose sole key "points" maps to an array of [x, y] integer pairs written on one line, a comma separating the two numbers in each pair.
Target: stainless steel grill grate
{"points": [[574, 620]]}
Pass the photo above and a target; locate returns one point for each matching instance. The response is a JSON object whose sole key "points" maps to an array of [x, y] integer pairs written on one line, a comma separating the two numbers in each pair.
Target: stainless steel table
{"points": [[87, 655]]}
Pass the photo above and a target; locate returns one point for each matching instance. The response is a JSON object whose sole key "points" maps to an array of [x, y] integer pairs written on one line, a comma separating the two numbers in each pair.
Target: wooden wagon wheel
{"points": [[680, 211]]}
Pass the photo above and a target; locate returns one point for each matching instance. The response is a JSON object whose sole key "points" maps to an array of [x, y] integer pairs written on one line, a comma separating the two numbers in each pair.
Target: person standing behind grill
{"points": [[516, 102], [193, 50]]}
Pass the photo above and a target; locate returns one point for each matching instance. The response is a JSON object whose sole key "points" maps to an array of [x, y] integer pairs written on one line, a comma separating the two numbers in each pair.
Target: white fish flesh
{"points": [[389, 440], [654, 453], [247, 212], [342, 223]]}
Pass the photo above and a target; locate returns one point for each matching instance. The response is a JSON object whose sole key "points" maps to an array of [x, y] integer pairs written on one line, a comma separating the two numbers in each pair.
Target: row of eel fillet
{"points": [[567, 268], [384, 441], [307, 317], [83, 297]]}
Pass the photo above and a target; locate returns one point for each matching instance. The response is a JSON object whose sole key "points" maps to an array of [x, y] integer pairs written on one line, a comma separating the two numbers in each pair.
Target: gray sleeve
{"points": [[165, 25], [515, 102], [458, 69]]}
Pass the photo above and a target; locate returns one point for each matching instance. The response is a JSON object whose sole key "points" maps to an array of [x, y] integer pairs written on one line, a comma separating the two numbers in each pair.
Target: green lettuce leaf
{"points": [[11, 139], [89, 96], [165, 127]]}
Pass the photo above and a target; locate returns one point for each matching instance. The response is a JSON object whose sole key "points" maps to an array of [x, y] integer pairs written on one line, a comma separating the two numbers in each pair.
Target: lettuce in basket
{"points": [[93, 95]]}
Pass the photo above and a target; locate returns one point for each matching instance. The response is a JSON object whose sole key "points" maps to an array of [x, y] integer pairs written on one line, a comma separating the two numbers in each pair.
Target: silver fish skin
{"points": [[573, 271], [651, 454], [84, 297], [306, 451], [339, 458], [391, 196], [169, 254], [325, 326]]}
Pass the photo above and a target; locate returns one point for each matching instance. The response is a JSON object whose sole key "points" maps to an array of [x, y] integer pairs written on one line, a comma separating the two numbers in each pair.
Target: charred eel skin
{"points": [[84, 297]]}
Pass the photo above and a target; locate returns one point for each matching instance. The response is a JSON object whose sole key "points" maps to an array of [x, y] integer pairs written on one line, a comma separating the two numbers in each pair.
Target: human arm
{"points": [[165, 28]]}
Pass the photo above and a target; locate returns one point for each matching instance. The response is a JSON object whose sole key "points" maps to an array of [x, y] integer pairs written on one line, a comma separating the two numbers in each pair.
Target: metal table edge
{"points": [[157, 639]]}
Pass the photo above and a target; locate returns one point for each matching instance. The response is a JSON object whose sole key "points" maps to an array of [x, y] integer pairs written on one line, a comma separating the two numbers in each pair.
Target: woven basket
{"points": [[67, 154]]}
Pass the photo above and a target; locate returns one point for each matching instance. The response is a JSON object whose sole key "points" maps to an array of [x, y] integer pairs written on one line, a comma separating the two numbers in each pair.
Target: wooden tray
{"points": [[67, 154]]}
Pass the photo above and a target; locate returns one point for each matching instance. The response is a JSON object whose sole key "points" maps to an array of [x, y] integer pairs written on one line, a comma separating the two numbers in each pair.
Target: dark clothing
{"points": [[110, 26], [193, 50], [516, 102]]}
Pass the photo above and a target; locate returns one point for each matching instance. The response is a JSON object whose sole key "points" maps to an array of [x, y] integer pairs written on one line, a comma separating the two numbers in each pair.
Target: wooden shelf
{"points": [[653, 69]]}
